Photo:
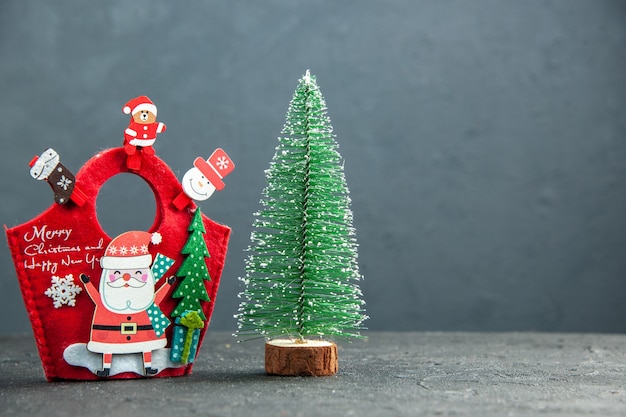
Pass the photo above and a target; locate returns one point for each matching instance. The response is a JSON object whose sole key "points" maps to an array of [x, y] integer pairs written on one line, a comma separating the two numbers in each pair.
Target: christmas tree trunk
{"points": [[302, 271], [296, 358]]}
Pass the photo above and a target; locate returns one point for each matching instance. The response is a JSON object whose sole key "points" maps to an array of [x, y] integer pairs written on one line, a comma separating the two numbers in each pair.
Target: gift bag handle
{"points": [[111, 162]]}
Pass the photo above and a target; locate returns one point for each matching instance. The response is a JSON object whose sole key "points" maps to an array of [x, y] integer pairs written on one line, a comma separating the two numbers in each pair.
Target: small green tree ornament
{"points": [[301, 281], [193, 270]]}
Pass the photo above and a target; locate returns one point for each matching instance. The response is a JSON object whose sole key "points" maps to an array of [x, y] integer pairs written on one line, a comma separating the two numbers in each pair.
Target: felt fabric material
{"points": [[67, 239]]}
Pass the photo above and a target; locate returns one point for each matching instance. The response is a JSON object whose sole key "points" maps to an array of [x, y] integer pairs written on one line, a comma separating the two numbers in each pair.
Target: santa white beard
{"points": [[120, 298]]}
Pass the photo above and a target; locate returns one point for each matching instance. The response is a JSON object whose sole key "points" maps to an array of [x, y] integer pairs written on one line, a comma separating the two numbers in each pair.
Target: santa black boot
{"points": [[106, 358], [150, 371], [147, 364]]}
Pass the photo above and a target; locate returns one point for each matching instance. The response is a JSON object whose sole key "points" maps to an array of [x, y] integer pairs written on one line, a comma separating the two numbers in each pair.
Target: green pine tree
{"points": [[193, 270], [302, 272]]}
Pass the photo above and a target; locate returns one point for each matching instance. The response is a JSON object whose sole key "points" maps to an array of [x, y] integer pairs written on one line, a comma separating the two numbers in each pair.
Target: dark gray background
{"points": [[485, 141]]}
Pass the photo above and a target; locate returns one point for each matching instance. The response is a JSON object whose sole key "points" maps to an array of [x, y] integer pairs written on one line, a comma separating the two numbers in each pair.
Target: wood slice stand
{"points": [[297, 358]]}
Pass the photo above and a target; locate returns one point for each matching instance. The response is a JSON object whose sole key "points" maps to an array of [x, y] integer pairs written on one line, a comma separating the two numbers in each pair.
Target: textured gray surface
{"points": [[391, 374], [484, 140]]}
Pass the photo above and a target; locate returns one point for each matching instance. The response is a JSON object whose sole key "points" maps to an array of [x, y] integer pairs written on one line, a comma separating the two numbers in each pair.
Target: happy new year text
{"points": [[49, 250]]}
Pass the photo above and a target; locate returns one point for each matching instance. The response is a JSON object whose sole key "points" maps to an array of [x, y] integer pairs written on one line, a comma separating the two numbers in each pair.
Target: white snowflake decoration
{"points": [[63, 291], [222, 162], [64, 182]]}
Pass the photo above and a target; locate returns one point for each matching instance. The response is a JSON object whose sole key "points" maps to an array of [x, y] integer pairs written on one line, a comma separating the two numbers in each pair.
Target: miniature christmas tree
{"points": [[302, 272], [193, 270]]}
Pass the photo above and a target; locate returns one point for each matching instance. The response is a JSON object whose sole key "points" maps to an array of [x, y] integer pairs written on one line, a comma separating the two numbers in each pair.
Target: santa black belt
{"points": [[126, 328]]}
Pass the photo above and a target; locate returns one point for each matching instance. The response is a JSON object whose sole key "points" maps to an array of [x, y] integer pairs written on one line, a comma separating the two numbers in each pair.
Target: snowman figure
{"points": [[200, 182], [127, 318]]}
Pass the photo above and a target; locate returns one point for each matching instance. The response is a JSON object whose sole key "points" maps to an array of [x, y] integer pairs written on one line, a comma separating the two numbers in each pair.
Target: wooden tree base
{"points": [[295, 358]]}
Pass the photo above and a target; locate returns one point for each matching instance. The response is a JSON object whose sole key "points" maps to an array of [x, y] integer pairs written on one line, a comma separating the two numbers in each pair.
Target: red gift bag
{"points": [[51, 252]]}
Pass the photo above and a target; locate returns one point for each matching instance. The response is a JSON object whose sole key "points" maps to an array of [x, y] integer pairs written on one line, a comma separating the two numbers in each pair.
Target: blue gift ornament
{"points": [[185, 337]]}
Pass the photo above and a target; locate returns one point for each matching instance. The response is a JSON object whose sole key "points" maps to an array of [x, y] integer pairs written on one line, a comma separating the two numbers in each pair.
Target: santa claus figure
{"points": [[142, 130], [127, 318]]}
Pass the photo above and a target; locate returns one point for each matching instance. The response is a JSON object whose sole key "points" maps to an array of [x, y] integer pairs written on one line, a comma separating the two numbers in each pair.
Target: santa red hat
{"points": [[130, 250], [216, 167], [138, 104]]}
